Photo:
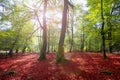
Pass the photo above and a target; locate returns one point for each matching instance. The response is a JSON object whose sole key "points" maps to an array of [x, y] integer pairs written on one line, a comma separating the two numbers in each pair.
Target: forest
{"points": [[59, 39]]}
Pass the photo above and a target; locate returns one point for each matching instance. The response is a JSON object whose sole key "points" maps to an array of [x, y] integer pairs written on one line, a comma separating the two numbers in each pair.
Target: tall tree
{"points": [[60, 54], [109, 12], [44, 46], [102, 30], [72, 29]]}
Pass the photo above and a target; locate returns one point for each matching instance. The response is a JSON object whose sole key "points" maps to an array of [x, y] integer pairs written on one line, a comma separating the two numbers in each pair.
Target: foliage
{"points": [[91, 20], [19, 27], [18, 23]]}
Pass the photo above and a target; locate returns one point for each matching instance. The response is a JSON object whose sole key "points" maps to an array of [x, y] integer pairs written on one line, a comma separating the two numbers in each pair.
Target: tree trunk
{"points": [[24, 49], [52, 47], [103, 45], [110, 46], [72, 30], [110, 35], [60, 54], [10, 52], [89, 45], [49, 40], [16, 51], [110, 29], [110, 39], [44, 46], [13, 45], [102, 31], [82, 40]]}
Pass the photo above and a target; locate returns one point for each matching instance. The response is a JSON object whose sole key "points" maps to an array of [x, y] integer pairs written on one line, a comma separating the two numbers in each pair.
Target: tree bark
{"points": [[44, 46], [60, 53], [72, 30], [13, 45], [24, 49], [83, 40], [16, 51], [102, 31], [49, 40], [109, 35]]}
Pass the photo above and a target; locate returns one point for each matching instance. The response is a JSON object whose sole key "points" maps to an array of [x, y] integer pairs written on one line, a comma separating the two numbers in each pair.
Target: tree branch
{"points": [[38, 19], [70, 4]]}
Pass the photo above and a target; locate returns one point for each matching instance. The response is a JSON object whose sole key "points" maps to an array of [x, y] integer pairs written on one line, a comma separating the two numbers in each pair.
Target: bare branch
{"points": [[38, 19], [70, 4], [33, 32]]}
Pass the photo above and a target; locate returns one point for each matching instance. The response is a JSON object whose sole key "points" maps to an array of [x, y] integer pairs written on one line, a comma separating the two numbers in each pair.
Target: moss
{"points": [[12, 72], [42, 57], [107, 72], [61, 60]]}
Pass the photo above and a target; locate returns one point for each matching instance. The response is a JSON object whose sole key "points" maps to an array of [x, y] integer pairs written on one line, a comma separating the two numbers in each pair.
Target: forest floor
{"points": [[80, 66]]}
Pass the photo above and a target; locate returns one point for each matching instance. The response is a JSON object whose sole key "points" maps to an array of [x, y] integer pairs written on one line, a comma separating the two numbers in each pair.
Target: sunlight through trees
{"points": [[46, 26]]}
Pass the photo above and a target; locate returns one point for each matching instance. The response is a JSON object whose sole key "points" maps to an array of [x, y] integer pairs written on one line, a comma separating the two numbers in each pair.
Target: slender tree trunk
{"points": [[72, 41], [110, 30], [60, 54], [44, 46], [103, 46], [12, 46], [52, 47], [109, 35], [49, 40], [102, 31], [68, 33], [83, 40], [38, 36], [24, 49], [10, 52], [89, 45], [110, 41], [72, 30], [16, 51], [110, 46]]}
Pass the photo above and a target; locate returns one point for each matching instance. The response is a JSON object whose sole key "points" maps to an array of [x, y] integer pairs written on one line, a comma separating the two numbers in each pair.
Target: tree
{"points": [[102, 31], [16, 17], [60, 54], [44, 46], [71, 18]]}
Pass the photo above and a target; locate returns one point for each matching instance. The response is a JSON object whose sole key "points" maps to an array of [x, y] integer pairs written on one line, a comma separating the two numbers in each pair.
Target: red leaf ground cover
{"points": [[81, 66]]}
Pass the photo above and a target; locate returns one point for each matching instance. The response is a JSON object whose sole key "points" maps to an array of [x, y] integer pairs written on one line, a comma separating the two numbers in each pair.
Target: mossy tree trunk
{"points": [[44, 46], [60, 54]]}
